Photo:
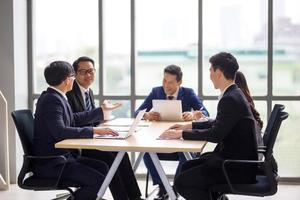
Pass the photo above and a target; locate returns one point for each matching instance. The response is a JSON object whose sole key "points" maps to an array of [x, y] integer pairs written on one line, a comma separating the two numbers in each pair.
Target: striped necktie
{"points": [[88, 104]]}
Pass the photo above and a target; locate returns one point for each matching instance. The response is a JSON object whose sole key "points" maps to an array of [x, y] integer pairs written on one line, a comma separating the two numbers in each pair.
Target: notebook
{"points": [[126, 133], [169, 110]]}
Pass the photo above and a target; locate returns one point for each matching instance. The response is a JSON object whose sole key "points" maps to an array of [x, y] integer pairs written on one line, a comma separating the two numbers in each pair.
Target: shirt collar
{"points": [[82, 89], [221, 95], [175, 95], [59, 91]]}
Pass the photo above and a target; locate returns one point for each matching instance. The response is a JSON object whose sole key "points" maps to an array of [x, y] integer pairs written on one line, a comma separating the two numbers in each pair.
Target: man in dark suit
{"points": [[124, 184], [233, 130], [54, 121], [192, 108], [81, 96]]}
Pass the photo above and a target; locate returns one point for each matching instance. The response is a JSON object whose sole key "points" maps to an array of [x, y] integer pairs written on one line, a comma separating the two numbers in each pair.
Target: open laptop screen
{"points": [[126, 134]]}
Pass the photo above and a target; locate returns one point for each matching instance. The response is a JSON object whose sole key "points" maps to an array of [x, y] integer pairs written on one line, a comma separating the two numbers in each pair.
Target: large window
{"points": [[241, 28], [133, 40], [286, 81], [62, 30], [116, 47], [286, 40], [166, 33]]}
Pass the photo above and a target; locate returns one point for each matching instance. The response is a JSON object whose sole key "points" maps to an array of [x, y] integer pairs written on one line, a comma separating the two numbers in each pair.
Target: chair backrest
{"points": [[24, 123], [273, 132], [277, 108], [266, 182], [270, 165]]}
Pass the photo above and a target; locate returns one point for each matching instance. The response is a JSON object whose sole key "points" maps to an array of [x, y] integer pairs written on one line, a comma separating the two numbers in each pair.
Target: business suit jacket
{"points": [[55, 121], [187, 96], [76, 101], [231, 130]]}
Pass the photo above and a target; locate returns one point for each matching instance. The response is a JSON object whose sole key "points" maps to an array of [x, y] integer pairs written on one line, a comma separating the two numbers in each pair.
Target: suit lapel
{"points": [[78, 95], [162, 93], [92, 98], [180, 94]]}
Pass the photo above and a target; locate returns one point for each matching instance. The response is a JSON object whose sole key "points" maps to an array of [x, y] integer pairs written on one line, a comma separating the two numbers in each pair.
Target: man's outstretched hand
{"points": [[107, 106]]}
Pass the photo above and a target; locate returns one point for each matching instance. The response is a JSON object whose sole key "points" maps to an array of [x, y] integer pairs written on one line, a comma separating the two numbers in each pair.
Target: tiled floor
{"points": [[285, 192]]}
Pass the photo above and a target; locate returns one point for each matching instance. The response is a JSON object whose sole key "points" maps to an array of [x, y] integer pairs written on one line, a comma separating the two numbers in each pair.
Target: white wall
{"points": [[20, 63], [13, 68]]}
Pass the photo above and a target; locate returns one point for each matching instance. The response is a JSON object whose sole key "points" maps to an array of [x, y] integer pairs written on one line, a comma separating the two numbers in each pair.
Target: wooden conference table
{"points": [[144, 141]]}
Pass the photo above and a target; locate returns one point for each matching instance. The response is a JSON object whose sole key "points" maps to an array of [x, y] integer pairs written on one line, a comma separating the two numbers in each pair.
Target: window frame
{"points": [[268, 98]]}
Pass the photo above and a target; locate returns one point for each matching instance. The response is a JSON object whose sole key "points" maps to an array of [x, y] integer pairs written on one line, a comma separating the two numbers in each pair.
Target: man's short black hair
{"points": [[57, 72], [225, 62], [81, 59], [174, 70]]}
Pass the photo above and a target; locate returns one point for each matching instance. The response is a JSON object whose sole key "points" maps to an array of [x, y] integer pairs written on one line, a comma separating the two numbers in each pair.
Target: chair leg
{"points": [[217, 196], [62, 196], [223, 197], [66, 195], [147, 182]]}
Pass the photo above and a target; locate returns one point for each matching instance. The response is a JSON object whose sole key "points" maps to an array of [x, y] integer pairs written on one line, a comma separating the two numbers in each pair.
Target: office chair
{"points": [[24, 123], [266, 176]]}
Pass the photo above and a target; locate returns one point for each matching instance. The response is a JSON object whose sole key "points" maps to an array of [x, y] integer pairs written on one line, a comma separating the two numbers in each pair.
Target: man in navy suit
{"points": [[54, 121], [123, 185], [192, 108], [233, 130]]}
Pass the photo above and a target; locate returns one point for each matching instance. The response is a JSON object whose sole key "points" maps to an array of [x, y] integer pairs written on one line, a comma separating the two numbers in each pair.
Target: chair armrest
{"points": [[62, 157], [45, 157], [226, 162]]}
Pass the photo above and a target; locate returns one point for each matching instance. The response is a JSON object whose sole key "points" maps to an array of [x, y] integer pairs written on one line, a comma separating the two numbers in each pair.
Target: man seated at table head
{"points": [[192, 108], [171, 89], [233, 130], [81, 98], [54, 121]]}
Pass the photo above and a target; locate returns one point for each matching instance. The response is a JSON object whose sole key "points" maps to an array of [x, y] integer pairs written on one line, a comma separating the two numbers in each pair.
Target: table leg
{"points": [[162, 175], [138, 161], [110, 174]]}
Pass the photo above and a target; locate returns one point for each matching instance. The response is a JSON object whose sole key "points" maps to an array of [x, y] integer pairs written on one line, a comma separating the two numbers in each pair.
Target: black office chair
{"points": [[24, 123], [266, 178]]}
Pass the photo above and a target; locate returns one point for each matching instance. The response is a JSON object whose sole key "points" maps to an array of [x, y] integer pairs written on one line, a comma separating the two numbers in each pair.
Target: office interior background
{"points": [[133, 40]]}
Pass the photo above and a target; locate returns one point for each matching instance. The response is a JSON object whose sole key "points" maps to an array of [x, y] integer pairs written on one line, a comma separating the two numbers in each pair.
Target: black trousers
{"points": [[124, 185], [197, 176], [86, 173]]}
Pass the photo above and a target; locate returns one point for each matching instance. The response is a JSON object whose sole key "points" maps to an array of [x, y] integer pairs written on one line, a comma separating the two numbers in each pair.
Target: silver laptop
{"points": [[123, 134], [169, 110]]}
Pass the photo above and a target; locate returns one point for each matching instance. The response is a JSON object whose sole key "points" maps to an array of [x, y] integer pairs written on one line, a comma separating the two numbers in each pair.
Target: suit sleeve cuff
{"points": [[188, 134]]}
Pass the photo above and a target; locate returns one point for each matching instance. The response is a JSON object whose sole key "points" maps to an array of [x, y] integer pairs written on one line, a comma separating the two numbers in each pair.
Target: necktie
{"points": [[88, 105], [170, 97]]}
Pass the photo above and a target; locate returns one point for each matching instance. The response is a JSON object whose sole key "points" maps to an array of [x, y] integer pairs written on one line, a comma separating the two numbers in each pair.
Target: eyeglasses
{"points": [[84, 72]]}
